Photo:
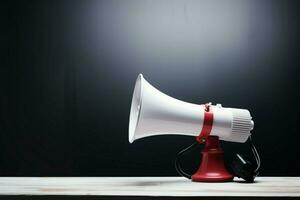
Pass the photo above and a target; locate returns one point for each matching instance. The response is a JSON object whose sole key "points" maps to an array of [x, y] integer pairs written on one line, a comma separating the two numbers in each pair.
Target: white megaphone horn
{"points": [[155, 113]]}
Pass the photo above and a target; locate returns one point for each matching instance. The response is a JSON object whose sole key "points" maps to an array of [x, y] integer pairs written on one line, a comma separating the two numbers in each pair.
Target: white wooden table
{"points": [[147, 187]]}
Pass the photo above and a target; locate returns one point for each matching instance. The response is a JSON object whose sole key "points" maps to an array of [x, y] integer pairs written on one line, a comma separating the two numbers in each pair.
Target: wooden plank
{"points": [[148, 186]]}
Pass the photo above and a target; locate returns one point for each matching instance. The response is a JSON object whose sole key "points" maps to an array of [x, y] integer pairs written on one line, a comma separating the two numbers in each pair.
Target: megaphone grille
{"points": [[136, 104]]}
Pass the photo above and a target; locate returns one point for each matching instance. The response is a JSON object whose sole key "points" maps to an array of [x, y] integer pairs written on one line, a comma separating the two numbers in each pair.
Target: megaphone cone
{"points": [[154, 113]]}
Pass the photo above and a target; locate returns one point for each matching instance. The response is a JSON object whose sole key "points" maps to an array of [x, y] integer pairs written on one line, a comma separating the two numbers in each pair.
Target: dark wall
{"points": [[68, 70]]}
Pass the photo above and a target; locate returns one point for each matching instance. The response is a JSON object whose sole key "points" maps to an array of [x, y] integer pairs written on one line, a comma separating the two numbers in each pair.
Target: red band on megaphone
{"points": [[207, 124]]}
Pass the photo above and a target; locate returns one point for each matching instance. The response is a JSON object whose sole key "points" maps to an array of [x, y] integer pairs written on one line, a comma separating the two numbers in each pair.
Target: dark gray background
{"points": [[68, 70]]}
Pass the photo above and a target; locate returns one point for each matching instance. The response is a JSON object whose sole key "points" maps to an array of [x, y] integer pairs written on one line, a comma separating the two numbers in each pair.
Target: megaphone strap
{"points": [[207, 123]]}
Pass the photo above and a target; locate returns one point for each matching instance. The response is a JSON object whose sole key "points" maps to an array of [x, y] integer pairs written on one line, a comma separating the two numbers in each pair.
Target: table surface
{"points": [[148, 186]]}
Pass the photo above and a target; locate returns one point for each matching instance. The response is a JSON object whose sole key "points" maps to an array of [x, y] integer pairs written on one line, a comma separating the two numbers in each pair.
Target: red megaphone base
{"points": [[212, 168]]}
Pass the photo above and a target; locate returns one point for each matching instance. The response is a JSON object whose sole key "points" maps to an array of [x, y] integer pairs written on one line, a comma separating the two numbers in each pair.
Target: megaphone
{"points": [[155, 113]]}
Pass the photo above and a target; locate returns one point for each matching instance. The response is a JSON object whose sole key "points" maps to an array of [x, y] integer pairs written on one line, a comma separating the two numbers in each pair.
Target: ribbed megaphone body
{"points": [[155, 113]]}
